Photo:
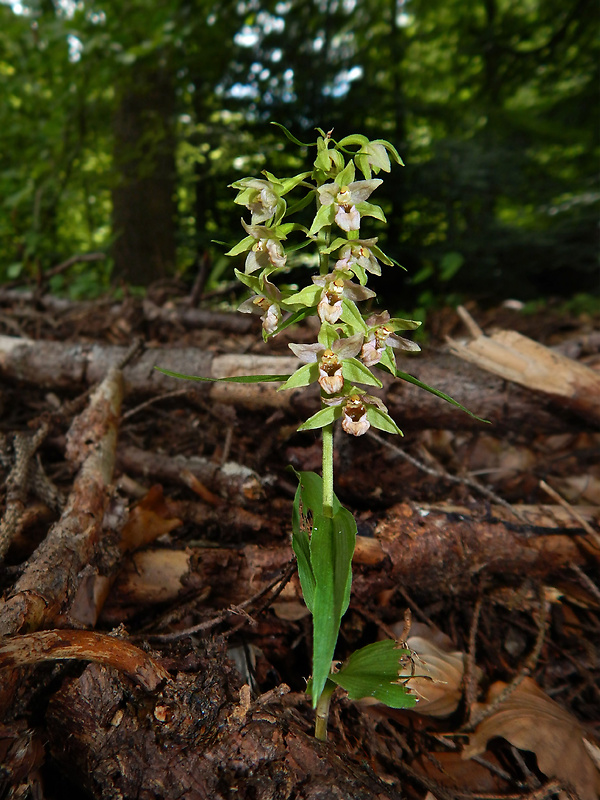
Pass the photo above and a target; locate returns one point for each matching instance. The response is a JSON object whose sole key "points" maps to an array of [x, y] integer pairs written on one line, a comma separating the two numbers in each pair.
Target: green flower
{"points": [[329, 359], [266, 304], [355, 409], [358, 251]]}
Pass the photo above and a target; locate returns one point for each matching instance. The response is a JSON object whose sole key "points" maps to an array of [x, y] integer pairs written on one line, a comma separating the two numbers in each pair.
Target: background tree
{"points": [[124, 125]]}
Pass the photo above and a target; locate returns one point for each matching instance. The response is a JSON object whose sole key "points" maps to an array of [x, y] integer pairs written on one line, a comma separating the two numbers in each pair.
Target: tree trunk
{"points": [[143, 199]]}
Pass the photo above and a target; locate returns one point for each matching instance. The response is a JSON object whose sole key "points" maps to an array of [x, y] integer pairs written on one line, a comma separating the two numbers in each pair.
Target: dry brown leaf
{"points": [[148, 520], [530, 720], [438, 669]]}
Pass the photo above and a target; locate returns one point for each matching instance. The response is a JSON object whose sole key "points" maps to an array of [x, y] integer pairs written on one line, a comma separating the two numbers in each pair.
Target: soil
{"points": [[154, 640]]}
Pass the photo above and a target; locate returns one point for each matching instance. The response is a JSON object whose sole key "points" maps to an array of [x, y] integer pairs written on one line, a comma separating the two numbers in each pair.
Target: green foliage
{"points": [[494, 105], [373, 671]]}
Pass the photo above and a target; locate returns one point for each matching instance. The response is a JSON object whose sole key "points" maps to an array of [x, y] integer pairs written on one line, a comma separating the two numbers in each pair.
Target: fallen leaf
{"points": [[530, 720], [148, 520], [438, 670]]}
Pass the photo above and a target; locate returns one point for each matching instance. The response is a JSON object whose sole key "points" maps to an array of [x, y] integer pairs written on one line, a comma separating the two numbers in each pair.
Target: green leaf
{"points": [[323, 417], [232, 379], [372, 672], [339, 242], [331, 548], [410, 379], [291, 136], [370, 210], [291, 183], [355, 371], [241, 247], [382, 421], [324, 216], [251, 281], [307, 297], [297, 316], [305, 375], [351, 315], [301, 547]]}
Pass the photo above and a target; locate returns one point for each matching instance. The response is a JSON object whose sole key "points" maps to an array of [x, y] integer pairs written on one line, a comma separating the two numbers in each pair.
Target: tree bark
{"points": [[507, 406], [143, 201]]}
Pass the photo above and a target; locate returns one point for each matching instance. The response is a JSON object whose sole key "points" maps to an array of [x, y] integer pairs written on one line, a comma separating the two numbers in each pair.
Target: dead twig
{"points": [[282, 580], [439, 473]]}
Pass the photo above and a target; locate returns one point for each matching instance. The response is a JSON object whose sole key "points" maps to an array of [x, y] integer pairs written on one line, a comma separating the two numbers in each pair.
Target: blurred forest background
{"points": [[121, 125]]}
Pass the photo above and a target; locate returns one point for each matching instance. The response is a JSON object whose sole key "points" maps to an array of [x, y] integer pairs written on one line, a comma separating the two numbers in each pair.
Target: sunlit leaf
{"points": [[356, 372]]}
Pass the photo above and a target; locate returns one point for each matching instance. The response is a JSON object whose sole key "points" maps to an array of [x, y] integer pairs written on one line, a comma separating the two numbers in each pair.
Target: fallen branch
{"points": [[33, 648], [44, 593], [430, 549], [60, 365]]}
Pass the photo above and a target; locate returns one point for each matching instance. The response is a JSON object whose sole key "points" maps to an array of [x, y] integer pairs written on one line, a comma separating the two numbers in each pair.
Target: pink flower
{"points": [[336, 287], [380, 336], [330, 360]]}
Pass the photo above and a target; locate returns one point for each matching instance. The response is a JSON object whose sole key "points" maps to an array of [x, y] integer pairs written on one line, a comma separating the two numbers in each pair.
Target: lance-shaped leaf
{"points": [[307, 297], [370, 210], [373, 671], [324, 216], [331, 548], [322, 418], [305, 375], [356, 372], [411, 379], [351, 316], [379, 419], [231, 379]]}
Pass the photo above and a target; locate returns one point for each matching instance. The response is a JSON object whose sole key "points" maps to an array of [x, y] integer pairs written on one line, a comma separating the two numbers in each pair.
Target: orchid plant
{"points": [[350, 343]]}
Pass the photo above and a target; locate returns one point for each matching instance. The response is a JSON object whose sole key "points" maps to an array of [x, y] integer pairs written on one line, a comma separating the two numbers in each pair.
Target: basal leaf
{"points": [[372, 672], [331, 548]]}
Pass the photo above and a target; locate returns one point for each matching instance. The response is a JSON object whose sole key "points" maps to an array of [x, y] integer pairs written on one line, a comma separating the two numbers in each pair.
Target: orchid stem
{"points": [[322, 712], [328, 470]]}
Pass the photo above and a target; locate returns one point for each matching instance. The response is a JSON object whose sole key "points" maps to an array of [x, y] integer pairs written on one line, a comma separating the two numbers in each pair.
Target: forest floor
{"points": [[154, 640]]}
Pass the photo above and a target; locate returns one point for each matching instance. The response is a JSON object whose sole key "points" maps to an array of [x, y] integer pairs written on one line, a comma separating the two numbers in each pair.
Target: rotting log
{"points": [[200, 737], [428, 549], [515, 357], [53, 575], [507, 406]]}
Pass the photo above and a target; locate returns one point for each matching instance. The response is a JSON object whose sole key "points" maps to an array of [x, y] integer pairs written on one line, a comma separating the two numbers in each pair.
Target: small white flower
{"points": [[354, 417], [345, 199], [331, 379], [380, 336], [259, 196], [268, 250], [359, 252], [265, 304], [335, 287]]}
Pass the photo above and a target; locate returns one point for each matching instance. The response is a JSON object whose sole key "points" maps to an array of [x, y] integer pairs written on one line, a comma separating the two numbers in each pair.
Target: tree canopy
{"points": [[122, 127]]}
